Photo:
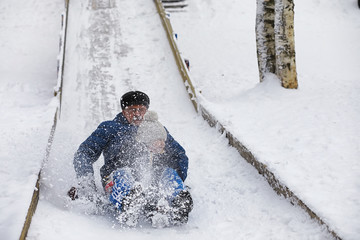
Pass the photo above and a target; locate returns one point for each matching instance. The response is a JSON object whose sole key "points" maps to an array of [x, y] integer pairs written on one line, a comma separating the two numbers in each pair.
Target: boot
{"points": [[159, 215], [181, 207], [131, 207]]}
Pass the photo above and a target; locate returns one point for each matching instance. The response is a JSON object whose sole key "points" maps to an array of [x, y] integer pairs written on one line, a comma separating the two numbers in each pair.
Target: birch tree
{"points": [[275, 40], [285, 43], [265, 38]]}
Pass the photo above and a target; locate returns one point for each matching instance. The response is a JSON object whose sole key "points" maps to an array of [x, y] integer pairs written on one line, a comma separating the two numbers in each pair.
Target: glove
{"points": [[73, 193], [86, 187]]}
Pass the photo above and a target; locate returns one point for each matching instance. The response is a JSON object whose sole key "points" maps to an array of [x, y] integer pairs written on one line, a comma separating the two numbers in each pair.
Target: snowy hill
{"points": [[306, 136]]}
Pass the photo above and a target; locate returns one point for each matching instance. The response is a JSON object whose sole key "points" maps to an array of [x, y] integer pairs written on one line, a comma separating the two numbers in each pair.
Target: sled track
{"points": [[278, 187]]}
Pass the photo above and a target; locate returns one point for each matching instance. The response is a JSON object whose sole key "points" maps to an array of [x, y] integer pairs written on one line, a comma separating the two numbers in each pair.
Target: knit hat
{"points": [[151, 129], [134, 98]]}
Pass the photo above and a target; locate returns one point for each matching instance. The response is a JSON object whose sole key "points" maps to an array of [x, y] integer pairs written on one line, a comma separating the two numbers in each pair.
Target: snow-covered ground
{"points": [[29, 35], [307, 137]]}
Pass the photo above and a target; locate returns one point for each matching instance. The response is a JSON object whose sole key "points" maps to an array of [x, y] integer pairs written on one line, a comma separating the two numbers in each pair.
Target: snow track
{"points": [[119, 47]]}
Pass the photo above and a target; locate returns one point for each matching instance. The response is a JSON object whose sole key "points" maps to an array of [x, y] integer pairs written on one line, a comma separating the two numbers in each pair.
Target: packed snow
{"points": [[307, 137], [29, 33]]}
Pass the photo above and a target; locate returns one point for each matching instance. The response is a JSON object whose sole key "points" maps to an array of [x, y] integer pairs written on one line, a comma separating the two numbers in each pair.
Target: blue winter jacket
{"points": [[116, 140]]}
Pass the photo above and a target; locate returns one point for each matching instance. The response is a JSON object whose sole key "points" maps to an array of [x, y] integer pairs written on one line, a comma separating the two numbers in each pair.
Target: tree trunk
{"points": [[265, 40], [284, 43]]}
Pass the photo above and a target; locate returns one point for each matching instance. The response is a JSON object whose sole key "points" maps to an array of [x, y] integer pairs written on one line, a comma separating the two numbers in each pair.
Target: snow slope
{"points": [[106, 48], [29, 34], [312, 156], [307, 137]]}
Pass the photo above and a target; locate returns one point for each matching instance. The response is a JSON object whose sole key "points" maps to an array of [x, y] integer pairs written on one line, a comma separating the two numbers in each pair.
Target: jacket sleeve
{"points": [[179, 160], [91, 149]]}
